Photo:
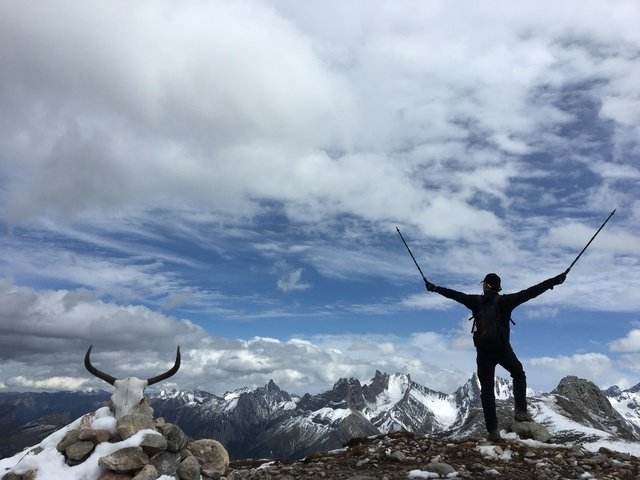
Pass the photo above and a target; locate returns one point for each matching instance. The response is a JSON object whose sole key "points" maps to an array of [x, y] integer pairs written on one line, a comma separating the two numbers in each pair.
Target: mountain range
{"points": [[268, 422]]}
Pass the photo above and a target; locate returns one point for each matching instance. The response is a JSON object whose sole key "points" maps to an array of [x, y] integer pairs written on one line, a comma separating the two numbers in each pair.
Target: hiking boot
{"points": [[494, 436], [522, 416]]}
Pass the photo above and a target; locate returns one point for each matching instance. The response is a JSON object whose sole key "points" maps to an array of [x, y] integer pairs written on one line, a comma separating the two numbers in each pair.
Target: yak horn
{"points": [[168, 373], [101, 375]]}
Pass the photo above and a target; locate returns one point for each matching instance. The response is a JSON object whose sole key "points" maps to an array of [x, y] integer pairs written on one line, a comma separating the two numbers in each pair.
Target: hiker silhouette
{"points": [[491, 337]]}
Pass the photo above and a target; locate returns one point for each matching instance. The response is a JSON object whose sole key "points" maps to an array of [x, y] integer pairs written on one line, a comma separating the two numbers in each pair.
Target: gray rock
{"points": [[184, 453], [176, 438], [398, 456], [213, 457], [189, 469], [109, 475], [129, 425], [125, 460], [95, 436], [152, 444], [79, 451], [11, 476], [442, 469], [70, 437], [149, 472], [143, 408], [585, 403], [166, 463], [531, 430]]}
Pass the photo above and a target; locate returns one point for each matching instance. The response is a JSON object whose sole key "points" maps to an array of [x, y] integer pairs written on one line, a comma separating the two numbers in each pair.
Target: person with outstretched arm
{"points": [[491, 337]]}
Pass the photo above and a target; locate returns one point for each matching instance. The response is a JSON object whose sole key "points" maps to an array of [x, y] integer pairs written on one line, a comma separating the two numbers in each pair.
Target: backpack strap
{"points": [[473, 327]]}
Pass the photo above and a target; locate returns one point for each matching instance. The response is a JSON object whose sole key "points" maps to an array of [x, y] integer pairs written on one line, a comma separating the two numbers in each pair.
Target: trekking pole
{"points": [[412, 257], [587, 245]]}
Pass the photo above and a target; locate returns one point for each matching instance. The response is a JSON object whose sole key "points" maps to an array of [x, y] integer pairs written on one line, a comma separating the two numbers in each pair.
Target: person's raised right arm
{"points": [[466, 300]]}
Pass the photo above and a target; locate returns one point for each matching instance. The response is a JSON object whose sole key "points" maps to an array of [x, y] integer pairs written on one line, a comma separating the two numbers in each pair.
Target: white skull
{"points": [[128, 393]]}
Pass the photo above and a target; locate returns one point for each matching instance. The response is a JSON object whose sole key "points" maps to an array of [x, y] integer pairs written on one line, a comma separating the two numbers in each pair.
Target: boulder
{"points": [[211, 455], [125, 460], [11, 476], [166, 463], [442, 469], [28, 475], [109, 475], [531, 430], [79, 451], [71, 437], [95, 436], [149, 472], [129, 425], [143, 408], [152, 444], [176, 438], [189, 469]]}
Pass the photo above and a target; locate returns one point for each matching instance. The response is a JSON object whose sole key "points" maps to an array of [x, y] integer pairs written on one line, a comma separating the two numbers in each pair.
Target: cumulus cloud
{"points": [[51, 383], [596, 367], [47, 322], [253, 129], [162, 123], [628, 344]]}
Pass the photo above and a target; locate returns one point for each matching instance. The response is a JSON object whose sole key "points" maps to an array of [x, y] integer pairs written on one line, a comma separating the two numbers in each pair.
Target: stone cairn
{"points": [[169, 453]]}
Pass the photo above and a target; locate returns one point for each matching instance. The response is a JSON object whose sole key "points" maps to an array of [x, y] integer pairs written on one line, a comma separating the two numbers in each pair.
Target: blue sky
{"points": [[229, 176]]}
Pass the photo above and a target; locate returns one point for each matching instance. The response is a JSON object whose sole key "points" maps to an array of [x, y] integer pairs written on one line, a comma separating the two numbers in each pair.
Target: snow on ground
{"points": [[529, 442], [104, 420], [632, 448], [422, 474], [495, 452], [50, 463]]}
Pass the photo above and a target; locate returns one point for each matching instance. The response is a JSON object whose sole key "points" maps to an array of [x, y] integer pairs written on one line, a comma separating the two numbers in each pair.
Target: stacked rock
{"points": [[167, 452], [160, 448]]}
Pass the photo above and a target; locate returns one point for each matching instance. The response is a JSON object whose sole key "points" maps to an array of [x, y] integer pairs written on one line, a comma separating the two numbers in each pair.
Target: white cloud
{"points": [[168, 130], [293, 282], [117, 118], [51, 383], [628, 344], [426, 301], [596, 367]]}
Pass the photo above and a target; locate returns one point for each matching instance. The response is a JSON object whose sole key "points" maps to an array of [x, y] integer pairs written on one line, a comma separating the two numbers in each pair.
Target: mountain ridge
{"points": [[270, 422]]}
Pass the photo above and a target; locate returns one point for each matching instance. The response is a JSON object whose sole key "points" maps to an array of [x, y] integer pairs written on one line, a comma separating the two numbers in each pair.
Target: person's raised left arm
{"points": [[518, 298]]}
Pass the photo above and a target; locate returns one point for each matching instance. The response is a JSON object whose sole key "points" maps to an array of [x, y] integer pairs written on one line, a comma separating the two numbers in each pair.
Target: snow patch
{"points": [[50, 463], [617, 445], [422, 474], [495, 452], [331, 414], [444, 409]]}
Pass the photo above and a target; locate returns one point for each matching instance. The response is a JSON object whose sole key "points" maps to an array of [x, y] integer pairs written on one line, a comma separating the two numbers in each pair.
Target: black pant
{"points": [[487, 361]]}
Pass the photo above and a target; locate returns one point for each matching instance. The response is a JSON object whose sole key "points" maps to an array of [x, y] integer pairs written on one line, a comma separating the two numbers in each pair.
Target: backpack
{"points": [[489, 328]]}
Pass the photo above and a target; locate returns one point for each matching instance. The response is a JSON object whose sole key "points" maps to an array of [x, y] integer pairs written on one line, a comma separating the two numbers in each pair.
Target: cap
{"points": [[493, 280]]}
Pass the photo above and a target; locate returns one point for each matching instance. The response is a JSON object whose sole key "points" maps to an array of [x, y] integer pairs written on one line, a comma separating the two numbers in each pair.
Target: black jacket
{"points": [[505, 303]]}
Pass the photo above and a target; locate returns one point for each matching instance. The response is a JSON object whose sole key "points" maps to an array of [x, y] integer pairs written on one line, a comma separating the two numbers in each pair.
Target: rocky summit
{"points": [[404, 455]]}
